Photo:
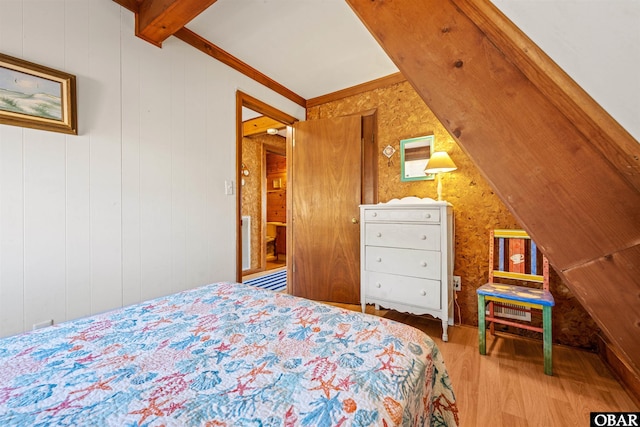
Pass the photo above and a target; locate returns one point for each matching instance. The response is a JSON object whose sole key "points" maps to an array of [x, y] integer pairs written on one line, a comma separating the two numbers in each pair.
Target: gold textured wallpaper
{"points": [[402, 114]]}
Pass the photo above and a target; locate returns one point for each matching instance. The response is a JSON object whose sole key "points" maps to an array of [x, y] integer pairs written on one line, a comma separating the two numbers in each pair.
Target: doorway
{"points": [[263, 194], [256, 185]]}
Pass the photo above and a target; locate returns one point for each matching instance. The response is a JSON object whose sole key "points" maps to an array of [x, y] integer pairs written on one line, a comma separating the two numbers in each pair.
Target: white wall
{"points": [[596, 42], [134, 206]]}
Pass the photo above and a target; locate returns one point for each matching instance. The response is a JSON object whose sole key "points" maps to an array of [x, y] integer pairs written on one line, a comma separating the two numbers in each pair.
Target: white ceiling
{"points": [[312, 47]]}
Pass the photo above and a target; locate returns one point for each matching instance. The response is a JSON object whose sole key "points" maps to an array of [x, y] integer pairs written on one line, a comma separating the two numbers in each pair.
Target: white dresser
{"points": [[407, 257]]}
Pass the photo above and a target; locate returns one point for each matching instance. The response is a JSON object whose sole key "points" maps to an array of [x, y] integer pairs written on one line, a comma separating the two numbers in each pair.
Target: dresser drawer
{"points": [[407, 262], [414, 236], [408, 215], [422, 293]]}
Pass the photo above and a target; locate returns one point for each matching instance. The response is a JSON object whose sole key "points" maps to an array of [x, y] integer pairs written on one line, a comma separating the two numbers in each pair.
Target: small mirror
{"points": [[414, 154]]}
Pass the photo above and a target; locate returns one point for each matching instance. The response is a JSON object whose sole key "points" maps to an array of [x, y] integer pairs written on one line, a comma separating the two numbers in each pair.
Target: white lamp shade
{"points": [[440, 162]]}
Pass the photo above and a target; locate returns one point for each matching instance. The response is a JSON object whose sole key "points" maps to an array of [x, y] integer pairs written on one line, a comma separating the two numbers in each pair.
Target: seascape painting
{"points": [[36, 96], [24, 93]]}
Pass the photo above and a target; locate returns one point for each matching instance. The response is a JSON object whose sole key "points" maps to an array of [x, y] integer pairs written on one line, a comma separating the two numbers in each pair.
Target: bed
{"points": [[225, 354]]}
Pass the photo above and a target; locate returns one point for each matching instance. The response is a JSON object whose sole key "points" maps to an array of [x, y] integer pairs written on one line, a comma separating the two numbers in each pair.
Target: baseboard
{"points": [[627, 376]]}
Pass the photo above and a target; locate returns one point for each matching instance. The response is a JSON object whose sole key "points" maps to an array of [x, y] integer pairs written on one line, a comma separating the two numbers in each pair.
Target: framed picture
{"points": [[414, 154], [37, 97]]}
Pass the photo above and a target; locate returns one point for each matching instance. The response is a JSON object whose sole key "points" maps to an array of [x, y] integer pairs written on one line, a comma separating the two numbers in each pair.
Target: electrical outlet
{"points": [[457, 283], [43, 324]]}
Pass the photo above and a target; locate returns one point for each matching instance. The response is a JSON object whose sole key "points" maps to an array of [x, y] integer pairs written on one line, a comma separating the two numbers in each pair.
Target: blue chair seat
{"points": [[517, 293]]}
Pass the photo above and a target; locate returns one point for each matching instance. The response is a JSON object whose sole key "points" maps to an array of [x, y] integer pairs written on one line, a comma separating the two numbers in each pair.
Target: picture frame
{"points": [[414, 154], [37, 97]]}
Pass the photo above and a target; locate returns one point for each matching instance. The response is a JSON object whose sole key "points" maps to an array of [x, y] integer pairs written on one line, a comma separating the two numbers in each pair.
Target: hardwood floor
{"points": [[276, 263], [508, 387]]}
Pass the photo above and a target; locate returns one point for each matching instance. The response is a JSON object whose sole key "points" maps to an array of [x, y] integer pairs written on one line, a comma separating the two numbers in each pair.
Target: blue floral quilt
{"points": [[225, 354]]}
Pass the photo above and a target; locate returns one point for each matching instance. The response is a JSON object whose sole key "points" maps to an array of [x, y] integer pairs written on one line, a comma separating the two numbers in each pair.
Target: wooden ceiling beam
{"points": [[599, 128], [156, 20], [132, 5]]}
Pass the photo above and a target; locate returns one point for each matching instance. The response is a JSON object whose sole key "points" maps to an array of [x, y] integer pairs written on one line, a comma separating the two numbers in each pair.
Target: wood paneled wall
{"points": [[276, 188], [402, 114], [134, 206]]}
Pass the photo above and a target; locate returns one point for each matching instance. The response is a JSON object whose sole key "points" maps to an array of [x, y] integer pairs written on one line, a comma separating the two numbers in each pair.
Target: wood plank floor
{"points": [[508, 387]]}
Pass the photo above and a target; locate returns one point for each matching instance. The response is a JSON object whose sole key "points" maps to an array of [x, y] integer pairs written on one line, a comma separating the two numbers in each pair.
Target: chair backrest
{"points": [[513, 255]]}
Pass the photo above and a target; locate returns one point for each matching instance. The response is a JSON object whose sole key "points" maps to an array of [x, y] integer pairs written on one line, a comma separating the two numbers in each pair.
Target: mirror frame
{"points": [[418, 141]]}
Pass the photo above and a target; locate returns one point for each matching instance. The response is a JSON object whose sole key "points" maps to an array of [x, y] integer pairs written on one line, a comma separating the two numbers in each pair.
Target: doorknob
{"points": [[354, 220]]}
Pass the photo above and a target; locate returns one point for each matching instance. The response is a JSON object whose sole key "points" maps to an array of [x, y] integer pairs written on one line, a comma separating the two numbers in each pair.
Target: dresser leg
{"points": [[445, 326], [364, 307]]}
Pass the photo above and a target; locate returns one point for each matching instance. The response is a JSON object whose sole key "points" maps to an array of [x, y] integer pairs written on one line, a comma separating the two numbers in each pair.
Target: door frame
{"points": [[248, 101]]}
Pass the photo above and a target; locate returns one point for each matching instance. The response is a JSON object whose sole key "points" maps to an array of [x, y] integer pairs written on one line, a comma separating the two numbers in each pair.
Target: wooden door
{"points": [[325, 172]]}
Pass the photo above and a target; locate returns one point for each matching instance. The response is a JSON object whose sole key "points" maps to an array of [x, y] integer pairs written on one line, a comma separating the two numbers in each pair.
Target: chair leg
{"points": [[546, 338], [492, 325], [481, 326]]}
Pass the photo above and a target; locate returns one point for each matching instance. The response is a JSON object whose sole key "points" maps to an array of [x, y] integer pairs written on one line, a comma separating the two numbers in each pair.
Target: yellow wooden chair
{"points": [[513, 257]]}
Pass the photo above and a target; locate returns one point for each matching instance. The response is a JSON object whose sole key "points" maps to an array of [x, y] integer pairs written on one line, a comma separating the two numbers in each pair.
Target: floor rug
{"points": [[275, 281]]}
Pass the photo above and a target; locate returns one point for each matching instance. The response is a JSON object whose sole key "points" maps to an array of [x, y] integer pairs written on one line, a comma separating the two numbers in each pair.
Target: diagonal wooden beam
{"points": [[223, 56], [565, 169], [604, 133]]}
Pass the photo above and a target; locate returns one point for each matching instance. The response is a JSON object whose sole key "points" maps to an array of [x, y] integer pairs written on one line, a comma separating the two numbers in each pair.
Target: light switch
{"points": [[228, 187]]}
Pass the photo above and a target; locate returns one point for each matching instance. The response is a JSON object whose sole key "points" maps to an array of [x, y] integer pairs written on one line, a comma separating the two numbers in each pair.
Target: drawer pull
{"points": [[423, 263], [423, 293], [374, 214], [423, 237], [378, 234], [379, 259], [378, 285], [427, 215]]}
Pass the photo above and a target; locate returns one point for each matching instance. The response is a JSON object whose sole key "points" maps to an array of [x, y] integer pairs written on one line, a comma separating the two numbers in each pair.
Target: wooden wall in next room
{"points": [[276, 188]]}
